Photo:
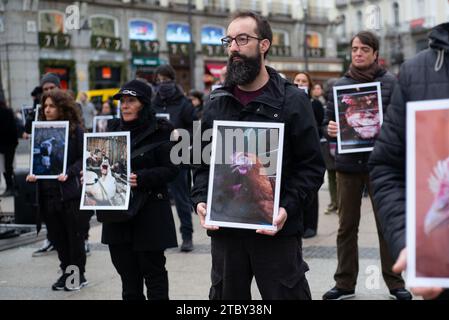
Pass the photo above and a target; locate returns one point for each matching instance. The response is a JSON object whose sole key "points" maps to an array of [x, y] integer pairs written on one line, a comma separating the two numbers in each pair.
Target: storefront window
{"points": [[178, 32], [314, 40], [142, 30], [280, 38], [212, 35], [51, 21], [103, 26]]}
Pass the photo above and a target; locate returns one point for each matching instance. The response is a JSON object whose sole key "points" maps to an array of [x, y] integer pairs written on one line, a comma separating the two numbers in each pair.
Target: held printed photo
{"points": [[359, 116], [106, 168], [428, 193], [100, 123], [49, 149], [27, 111], [245, 174]]}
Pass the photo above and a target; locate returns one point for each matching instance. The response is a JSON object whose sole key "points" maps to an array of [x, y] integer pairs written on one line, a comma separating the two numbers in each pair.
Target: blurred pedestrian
{"points": [[8, 145], [304, 82], [88, 111], [424, 77], [196, 98], [170, 99], [328, 148]]}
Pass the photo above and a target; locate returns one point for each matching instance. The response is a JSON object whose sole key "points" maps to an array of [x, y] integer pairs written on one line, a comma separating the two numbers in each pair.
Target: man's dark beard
{"points": [[242, 72]]}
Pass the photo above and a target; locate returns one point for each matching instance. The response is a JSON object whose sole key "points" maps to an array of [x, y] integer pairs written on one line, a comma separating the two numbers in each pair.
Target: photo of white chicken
{"points": [[438, 214], [102, 188]]}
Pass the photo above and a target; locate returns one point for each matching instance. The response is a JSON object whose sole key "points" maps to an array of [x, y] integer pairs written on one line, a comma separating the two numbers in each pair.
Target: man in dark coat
{"points": [[424, 77], [170, 99], [352, 176], [8, 144], [254, 92]]}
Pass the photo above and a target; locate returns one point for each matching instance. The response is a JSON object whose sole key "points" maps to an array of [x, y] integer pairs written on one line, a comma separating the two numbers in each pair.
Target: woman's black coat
{"points": [[153, 228]]}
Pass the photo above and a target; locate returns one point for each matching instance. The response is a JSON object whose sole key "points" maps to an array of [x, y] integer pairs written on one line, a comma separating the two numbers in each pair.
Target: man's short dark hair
{"points": [[368, 39], [166, 70], [263, 26]]}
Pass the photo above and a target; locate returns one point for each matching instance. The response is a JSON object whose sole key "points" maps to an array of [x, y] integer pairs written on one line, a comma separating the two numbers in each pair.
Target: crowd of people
{"points": [[249, 91]]}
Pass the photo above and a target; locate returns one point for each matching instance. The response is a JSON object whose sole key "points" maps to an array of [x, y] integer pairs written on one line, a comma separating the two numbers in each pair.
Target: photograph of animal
{"points": [[106, 172], [242, 192], [48, 151]]}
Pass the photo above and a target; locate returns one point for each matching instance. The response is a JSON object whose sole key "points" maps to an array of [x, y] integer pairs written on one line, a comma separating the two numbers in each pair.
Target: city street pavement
{"points": [[25, 277]]}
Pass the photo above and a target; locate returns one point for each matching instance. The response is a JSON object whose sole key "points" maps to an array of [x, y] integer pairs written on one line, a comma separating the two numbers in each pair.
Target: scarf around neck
{"points": [[364, 75]]}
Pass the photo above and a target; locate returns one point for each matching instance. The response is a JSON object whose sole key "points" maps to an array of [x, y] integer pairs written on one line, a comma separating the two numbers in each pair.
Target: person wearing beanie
{"points": [[50, 81], [137, 245]]}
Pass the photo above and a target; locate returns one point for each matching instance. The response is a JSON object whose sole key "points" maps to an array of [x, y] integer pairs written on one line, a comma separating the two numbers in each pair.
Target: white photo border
{"points": [[337, 113], [46, 124], [246, 124], [412, 108], [96, 118], [128, 165]]}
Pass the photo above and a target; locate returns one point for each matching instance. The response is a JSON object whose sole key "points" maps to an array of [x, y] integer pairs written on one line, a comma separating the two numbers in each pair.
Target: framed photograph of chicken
{"points": [[106, 168], [428, 193], [49, 148], [358, 113], [245, 174]]}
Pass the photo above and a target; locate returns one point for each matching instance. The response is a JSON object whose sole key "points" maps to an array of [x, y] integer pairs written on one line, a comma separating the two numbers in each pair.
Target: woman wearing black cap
{"points": [[137, 245]]}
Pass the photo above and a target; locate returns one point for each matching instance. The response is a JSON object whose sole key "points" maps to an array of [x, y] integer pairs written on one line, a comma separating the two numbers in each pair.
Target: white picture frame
{"points": [[165, 116], [36, 115], [100, 123], [49, 145], [350, 103], [427, 162], [106, 190], [223, 205]]}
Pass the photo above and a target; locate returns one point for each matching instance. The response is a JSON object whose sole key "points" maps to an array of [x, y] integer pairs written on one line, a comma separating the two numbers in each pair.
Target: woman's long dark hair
{"points": [[66, 107]]}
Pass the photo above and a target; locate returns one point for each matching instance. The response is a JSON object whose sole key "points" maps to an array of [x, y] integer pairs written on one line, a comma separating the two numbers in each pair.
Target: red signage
{"points": [[417, 23]]}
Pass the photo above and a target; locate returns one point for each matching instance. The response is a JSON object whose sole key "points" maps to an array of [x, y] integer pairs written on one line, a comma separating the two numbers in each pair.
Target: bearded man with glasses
{"points": [[254, 92]]}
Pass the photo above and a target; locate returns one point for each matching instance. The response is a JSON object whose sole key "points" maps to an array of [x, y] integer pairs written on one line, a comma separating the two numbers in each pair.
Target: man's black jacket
{"points": [[424, 77], [302, 163]]}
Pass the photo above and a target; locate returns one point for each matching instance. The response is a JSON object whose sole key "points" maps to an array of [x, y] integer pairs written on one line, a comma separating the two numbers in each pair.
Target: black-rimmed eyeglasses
{"points": [[240, 39]]}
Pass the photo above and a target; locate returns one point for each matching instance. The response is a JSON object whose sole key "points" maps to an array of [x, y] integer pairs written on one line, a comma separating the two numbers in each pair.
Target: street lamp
{"points": [[305, 7]]}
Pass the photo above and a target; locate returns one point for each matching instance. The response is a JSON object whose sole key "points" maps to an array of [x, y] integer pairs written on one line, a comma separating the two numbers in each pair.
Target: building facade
{"points": [[402, 25], [103, 43]]}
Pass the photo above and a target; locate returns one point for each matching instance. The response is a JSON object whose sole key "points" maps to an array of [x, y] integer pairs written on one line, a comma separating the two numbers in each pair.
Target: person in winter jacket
{"points": [[304, 82], [170, 99], [137, 245], [59, 200], [424, 77], [254, 92], [353, 175], [8, 144]]}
